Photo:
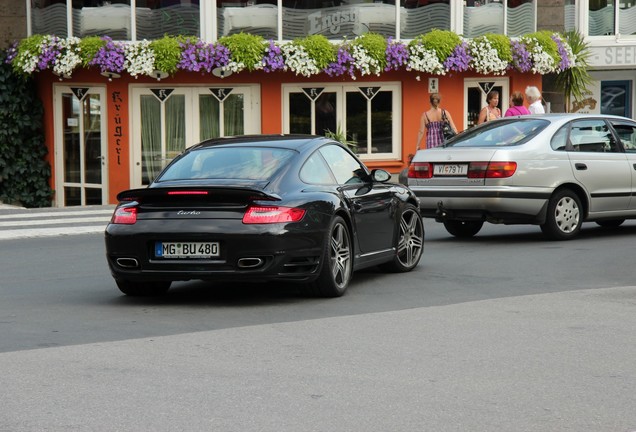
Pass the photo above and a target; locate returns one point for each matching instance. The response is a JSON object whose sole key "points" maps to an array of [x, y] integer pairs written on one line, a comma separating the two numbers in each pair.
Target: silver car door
{"points": [[600, 165], [626, 132]]}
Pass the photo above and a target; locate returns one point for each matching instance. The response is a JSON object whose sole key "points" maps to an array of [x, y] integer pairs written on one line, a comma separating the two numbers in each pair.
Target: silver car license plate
{"points": [[450, 170]]}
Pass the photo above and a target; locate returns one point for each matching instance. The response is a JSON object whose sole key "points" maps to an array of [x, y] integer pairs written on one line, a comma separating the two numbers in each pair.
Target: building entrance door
{"points": [[475, 92], [80, 146], [166, 121]]}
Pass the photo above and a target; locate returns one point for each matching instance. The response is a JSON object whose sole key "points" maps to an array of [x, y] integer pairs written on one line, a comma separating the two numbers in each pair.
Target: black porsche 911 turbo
{"points": [[262, 208]]}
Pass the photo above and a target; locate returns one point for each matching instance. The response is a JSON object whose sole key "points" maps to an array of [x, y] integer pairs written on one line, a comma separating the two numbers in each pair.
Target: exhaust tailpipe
{"points": [[250, 263], [128, 262]]}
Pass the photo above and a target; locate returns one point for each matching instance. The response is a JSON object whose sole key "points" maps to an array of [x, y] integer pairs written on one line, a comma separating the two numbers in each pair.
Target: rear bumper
{"points": [[270, 254], [496, 204]]}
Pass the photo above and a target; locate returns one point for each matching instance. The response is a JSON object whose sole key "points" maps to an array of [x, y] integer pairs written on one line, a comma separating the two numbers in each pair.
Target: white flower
{"points": [[140, 59], [298, 61], [486, 58], [366, 64], [69, 57], [424, 60]]}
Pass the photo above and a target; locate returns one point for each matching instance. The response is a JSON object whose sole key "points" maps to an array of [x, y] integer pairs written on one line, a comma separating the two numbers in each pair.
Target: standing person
{"points": [[534, 99], [432, 121], [490, 111], [516, 105]]}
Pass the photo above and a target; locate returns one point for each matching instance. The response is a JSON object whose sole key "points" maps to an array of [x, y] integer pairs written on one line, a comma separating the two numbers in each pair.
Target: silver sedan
{"points": [[555, 170]]}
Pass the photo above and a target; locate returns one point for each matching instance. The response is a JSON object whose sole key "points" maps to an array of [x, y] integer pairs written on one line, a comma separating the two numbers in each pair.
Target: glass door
{"points": [[475, 92], [166, 121], [80, 146]]}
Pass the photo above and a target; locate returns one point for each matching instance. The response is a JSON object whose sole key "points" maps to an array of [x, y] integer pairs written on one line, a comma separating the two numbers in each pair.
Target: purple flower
{"points": [[460, 58], [273, 59], [565, 62], [50, 52], [345, 63], [397, 55], [12, 52], [110, 57], [198, 56], [520, 56]]}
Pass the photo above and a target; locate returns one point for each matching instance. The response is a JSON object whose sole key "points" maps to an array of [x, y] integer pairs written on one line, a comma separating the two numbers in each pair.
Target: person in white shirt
{"points": [[533, 95]]}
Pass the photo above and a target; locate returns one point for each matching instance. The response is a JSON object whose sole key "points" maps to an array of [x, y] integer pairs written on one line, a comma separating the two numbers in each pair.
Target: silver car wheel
{"points": [[567, 214], [411, 241], [340, 256]]}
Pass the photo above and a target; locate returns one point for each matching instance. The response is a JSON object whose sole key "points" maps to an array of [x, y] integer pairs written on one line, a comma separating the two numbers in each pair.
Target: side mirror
{"points": [[380, 175]]}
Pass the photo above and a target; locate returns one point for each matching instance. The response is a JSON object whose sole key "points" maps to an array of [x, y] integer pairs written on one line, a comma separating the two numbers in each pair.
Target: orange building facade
{"points": [[95, 128]]}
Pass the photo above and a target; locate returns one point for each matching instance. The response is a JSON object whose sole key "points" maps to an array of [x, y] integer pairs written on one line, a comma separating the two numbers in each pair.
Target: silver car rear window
{"points": [[500, 133], [243, 163]]}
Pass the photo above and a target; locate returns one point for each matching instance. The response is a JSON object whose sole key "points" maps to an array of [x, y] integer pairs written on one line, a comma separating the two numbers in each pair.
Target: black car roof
{"points": [[293, 142]]}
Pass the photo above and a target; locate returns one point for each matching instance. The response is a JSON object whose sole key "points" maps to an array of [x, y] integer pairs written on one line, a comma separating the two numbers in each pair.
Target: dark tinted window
{"points": [[316, 171], [627, 134], [244, 163], [592, 136], [345, 167], [500, 133]]}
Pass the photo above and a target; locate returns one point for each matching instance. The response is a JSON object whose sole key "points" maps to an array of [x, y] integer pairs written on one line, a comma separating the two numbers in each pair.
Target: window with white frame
{"points": [[334, 19], [365, 115]]}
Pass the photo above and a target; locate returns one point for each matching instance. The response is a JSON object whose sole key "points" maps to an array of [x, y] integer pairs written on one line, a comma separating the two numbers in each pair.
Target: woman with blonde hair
{"points": [[490, 111], [433, 121]]}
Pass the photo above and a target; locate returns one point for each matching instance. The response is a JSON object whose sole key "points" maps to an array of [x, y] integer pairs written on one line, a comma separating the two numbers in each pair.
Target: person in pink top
{"points": [[516, 105]]}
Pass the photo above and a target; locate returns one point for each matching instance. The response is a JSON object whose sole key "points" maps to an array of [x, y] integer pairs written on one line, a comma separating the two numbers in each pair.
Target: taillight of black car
{"points": [[272, 214], [124, 215]]}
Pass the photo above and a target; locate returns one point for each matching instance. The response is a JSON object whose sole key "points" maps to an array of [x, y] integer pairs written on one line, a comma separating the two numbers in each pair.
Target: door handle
{"points": [[580, 166], [634, 165]]}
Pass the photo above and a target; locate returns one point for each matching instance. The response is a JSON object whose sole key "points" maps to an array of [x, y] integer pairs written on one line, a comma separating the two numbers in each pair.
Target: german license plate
{"points": [[186, 249], [450, 169]]}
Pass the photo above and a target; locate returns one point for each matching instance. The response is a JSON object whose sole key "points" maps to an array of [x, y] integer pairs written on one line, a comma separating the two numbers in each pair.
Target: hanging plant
{"points": [[167, 54], [436, 53], [369, 51], [247, 50], [88, 48], [318, 48], [442, 42]]}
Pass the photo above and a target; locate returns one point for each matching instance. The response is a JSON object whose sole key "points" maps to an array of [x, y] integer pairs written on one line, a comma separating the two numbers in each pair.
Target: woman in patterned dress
{"points": [[490, 111], [432, 121]]}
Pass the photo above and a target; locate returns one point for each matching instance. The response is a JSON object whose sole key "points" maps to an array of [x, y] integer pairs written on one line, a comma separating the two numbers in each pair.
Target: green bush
{"points": [[24, 173], [246, 48], [443, 42], [318, 48]]}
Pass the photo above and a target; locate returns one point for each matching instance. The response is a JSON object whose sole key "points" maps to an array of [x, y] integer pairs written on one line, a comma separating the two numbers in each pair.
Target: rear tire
{"points": [[143, 289], [410, 242], [610, 223], [463, 229], [337, 261], [564, 218]]}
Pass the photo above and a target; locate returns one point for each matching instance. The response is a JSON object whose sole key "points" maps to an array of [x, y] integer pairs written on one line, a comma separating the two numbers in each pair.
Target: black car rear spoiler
{"points": [[202, 192]]}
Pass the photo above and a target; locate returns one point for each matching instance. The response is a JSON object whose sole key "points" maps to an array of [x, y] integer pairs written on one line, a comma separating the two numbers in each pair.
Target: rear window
{"points": [[500, 133], [243, 163]]}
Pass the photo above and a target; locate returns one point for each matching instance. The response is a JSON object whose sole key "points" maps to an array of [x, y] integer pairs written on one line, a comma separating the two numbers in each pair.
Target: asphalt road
{"points": [[503, 332]]}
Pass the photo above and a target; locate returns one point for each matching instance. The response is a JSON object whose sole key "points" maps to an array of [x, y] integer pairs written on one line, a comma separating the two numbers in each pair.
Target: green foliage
{"points": [[246, 48], [167, 54], [501, 43], [89, 47], [24, 174], [27, 48], [574, 81], [375, 45], [318, 48], [341, 137], [443, 42], [544, 38]]}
